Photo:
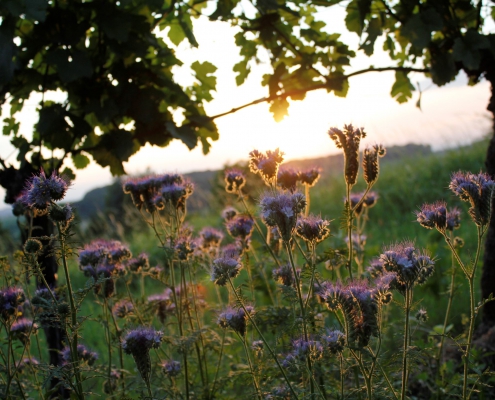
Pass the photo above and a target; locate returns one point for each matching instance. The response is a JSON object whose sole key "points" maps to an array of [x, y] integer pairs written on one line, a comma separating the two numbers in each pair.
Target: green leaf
{"points": [[117, 26], [243, 70], [80, 161], [416, 31], [7, 50], [279, 108], [176, 33], [204, 74], [67, 172], [113, 149], [71, 65], [357, 11], [466, 49], [402, 88], [36, 9], [186, 25], [373, 30], [443, 69], [184, 133]]}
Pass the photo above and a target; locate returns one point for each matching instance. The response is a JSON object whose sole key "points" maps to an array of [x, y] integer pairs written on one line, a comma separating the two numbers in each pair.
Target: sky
{"points": [[450, 116]]}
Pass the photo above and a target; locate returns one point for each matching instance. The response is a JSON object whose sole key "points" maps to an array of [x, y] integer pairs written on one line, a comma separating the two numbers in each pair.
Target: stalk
{"points": [[408, 300], [212, 392], [253, 375]]}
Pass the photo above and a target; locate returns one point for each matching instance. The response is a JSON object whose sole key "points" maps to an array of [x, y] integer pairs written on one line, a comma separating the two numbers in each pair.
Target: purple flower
{"points": [[334, 341], [369, 201], [84, 355], [41, 191], [240, 227], [223, 269], [231, 250], [478, 190], [171, 368], [139, 264], [176, 194], [282, 211], [234, 180], [433, 216], [184, 247], [229, 212], [103, 251], [22, 329], [11, 298], [312, 229], [453, 219], [26, 362], [235, 319], [210, 239], [122, 308], [163, 304], [285, 275], [310, 176], [266, 165], [287, 179]]}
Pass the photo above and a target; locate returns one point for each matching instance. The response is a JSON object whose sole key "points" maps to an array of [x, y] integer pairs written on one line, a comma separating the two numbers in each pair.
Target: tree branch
{"points": [[318, 86]]}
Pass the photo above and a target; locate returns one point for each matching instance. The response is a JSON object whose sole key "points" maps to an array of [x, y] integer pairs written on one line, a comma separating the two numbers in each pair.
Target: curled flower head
{"points": [[334, 341], [225, 268], [163, 304], [11, 298], [234, 180], [32, 246], [171, 368], [138, 343], [287, 179], [184, 247], [232, 250], [84, 355], [302, 348], [348, 141], [433, 216], [122, 308], [176, 194], [478, 190], [27, 362], [103, 252], [312, 229], [22, 329], [453, 219], [285, 275], [282, 211], [310, 176], [410, 267], [266, 165], [371, 165], [369, 201], [210, 239], [228, 213], [42, 190], [138, 264], [235, 319], [240, 227]]}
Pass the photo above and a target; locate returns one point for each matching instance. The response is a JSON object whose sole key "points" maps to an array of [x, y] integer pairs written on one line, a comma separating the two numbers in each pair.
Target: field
{"points": [[210, 307]]}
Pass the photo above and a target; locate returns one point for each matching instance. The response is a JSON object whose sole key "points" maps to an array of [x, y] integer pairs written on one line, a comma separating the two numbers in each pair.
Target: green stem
{"points": [[408, 300], [349, 230], [253, 375], [109, 341], [212, 392], [265, 342]]}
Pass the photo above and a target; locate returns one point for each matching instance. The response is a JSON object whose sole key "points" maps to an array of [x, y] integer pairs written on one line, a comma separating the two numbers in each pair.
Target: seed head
{"points": [[349, 140], [33, 246], [371, 165]]}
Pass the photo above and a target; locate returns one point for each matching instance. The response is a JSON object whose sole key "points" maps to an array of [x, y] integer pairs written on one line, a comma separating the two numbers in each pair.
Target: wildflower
{"points": [[433, 216], [410, 267], [210, 239], [240, 227], [349, 141], [22, 329], [234, 180], [138, 343], [229, 212], [310, 176], [139, 264], [84, 355], [176, 194], [453, 219], [33, 246], [287, 179], [285, 275], [162, 303], [184, 247], [257, 346], [122, 308], [369, 201], [61, 214], [103, 251], [27, 362], [422, 315], [232, 250], [20, 207], [371, 166], [42, 190], [235, 319], [334, 341], [302, 348], [11, 298], [223, 269], [110, 385], [171, 368], [282, 211], [266, 165], [478, 190], [312, 229]]}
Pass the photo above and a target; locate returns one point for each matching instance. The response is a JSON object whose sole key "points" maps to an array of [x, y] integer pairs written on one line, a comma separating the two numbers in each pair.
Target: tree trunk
{"points": [[488, 274]]}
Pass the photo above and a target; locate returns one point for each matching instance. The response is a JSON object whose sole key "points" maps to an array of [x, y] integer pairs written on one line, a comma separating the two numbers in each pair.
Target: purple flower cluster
{"points": [[184, 247], [266, 164], [228, 213], [138, 264], [359, 305], [369, 201], [122, 308], [210, 239], [285, 275], [171, 368], [162, 304], [312, 229], [433, 216], [224, 268], [235, 319], [410, 267], [11, 299], [84, 355], [334, 341], [310, 176], [478, 190], [41, 190], [282, 211], [234, 180], [27, 362], [240, 227], [22, 329], [287, 179]]}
